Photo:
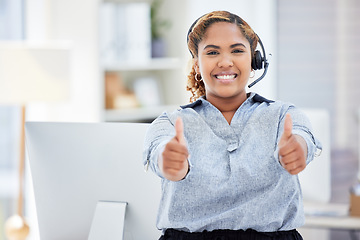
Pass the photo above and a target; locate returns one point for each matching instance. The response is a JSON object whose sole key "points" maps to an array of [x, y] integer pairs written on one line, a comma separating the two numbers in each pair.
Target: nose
{"points": [[225, 61]]}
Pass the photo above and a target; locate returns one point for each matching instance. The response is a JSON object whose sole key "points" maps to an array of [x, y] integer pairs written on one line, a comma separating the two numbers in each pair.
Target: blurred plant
{"points": [[158, 25]]}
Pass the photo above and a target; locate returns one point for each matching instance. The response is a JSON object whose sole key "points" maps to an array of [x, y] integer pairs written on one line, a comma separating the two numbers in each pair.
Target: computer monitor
{"points": [[76, 165]]}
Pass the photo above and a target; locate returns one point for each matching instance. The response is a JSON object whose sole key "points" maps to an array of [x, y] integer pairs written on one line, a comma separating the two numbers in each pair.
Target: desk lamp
{"points": [[30, 73]]}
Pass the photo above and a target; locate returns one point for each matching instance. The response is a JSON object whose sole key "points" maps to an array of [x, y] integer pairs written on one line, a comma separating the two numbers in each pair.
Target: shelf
{"points": [[136, 114], [147, 65]]}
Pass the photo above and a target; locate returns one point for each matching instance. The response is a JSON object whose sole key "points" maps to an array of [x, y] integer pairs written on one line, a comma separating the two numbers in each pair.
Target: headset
{"points": [[258, 61]]}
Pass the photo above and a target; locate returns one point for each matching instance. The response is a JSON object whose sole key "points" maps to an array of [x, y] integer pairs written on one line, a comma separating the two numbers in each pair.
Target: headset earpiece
{"points": [[257, 61]]}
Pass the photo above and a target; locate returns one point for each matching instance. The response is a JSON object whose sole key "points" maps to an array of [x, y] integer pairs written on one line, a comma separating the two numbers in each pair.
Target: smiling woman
{"points": [[229, 160]]}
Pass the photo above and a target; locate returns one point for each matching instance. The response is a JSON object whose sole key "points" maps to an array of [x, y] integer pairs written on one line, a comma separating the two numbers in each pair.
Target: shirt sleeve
{"points": [[303, 128], [159, 133]]}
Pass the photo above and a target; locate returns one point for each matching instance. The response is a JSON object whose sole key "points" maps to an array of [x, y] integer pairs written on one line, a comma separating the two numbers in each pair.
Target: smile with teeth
{"points": [[226, 77]]}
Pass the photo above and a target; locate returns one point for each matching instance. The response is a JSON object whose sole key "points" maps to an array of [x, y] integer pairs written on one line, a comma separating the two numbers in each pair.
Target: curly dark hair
{"points": [[196, 34]]}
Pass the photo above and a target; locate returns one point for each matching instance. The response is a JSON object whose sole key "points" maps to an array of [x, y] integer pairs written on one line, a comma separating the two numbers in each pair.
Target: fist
{"points": [[292, 149], [173, 162]]}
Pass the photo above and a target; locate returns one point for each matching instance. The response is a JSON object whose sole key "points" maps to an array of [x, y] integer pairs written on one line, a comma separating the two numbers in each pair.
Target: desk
{"points": [[331, 216]]}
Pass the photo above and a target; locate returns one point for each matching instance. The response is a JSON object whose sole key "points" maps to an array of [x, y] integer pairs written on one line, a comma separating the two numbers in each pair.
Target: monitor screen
{"points": [[76, 165]]}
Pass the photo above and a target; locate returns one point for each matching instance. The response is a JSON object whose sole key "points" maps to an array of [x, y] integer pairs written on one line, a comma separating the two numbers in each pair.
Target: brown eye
{"points": [[238, 51], [212, 53]]}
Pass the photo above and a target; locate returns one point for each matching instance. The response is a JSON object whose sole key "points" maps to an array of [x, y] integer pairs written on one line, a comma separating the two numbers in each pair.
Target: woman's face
{"points": [[224, 61]]}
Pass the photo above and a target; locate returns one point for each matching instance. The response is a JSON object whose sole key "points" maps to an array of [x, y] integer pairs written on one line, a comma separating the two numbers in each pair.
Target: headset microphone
{"points": [[257, 63]]}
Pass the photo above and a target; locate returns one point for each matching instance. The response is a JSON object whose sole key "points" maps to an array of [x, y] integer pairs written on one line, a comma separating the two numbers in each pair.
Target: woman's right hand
{"points": [[173, 162]]}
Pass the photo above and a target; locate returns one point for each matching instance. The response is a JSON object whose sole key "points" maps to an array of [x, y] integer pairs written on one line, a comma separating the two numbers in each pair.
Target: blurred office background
{"points": [[314, 64]]}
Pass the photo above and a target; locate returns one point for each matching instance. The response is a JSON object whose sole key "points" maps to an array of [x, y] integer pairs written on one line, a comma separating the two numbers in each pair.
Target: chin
{"points": [[229, 95]]}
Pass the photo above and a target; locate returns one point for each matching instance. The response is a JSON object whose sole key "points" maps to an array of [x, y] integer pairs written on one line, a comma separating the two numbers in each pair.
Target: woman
{"points": [[229, 160]]}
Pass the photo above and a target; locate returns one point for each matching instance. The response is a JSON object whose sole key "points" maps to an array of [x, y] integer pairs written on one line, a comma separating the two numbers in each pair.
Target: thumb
{"points": [[287, 126], [179, 130]]}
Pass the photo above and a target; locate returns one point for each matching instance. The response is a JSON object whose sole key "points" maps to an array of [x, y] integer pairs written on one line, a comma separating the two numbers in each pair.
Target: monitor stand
{"points": [[108, 221]]}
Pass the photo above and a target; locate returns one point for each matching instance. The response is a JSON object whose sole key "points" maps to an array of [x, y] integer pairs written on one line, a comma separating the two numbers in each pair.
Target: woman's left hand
{"points": [[292, 149]]}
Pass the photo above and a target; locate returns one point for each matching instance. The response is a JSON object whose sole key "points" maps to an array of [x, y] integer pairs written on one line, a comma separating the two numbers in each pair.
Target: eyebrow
{"points": [[238, 45], [211, 46], [231, 46]]}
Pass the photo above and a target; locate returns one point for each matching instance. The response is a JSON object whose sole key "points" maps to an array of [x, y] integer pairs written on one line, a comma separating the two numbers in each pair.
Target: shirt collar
{"points": [[261, 99]]}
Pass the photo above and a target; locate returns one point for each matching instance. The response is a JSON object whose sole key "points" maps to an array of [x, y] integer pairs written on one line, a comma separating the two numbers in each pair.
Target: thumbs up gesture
{"points": [[173, 163], [292, 149]]}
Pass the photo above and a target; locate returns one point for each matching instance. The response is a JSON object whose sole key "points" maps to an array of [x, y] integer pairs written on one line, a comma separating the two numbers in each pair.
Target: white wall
{"points": [[76, 23]]}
